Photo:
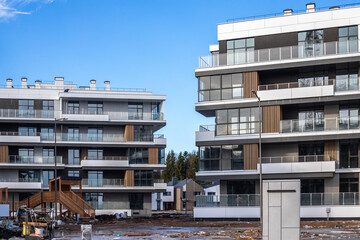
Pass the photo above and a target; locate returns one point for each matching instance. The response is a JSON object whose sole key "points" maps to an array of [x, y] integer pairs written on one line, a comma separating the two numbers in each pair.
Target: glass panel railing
{"points": [[109, 205], [231, 200], [16, 113], [103, 182], [292, 159], [16, 159], [340, 198]]}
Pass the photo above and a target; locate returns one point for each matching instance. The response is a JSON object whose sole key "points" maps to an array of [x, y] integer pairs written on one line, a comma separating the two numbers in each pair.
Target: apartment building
{"points": [[105, 136], [304, 67]]}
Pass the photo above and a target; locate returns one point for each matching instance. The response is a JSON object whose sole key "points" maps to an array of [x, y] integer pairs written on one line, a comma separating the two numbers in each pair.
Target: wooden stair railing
{"points": [[83, 204], [72, 205]]}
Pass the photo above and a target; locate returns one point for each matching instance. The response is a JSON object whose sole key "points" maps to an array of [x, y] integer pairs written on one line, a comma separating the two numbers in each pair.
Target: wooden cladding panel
{"points": [[251, 156], [153, 156], [129, 178], [4, 154], [330, 150], [129, 133], [251, 81], [271, 116]]}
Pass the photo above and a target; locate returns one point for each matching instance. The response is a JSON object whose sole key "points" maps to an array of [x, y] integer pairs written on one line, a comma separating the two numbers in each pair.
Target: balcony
{"points": [[281, 54], [41, 114], [106, 183], [106, 162], [85, 115], [109, 205], [21, 183], [16, 137], [32, 161]]}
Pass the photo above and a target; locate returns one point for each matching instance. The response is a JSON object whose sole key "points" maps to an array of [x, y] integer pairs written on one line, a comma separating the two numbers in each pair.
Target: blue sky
{"points": [[152, 44]]}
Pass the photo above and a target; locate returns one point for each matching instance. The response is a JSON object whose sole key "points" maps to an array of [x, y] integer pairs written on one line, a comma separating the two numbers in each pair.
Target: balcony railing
{"points": [[16, 113], [292, 159], [341, 198], [16, 159], [233, 200], [122, 115], [23, 180], [207, 128], [279, 54], [19, 134], [111, 158], [103, 182], [277, 86], [109, 205]]}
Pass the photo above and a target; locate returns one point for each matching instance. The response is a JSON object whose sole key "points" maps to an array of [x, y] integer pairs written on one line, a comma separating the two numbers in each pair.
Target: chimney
{"points": [[37, 84], [59, 81], [310, 7], [23, 82], [288, 12], [9, 83], [92, 84], [334, 8], [107, 85]]}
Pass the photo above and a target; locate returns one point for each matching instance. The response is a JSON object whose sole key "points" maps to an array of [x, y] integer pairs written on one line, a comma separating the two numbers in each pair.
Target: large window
{"points": [[73, 173], [348, 118], [348, 39], [221, 87], [73, 156], [95, 178], [95, 199], [349, 185], [73, 134], [27, 131], [73, 108], [135, 111], [347, 79], [48, 155], [26, 108], [161, 156], [209, 158], [312, 186], [48, 109], [240, 51], [139, 156], [95, 108], [349, 155], [95, 154], [143, 178], [143, 133], [311, 152], [226, 157], [237, 121], [309, 79], [136, 201], [155, 111], [311, 43], [47, 133], [311, 120], [95, 134], [29, 176], [47, 176], [26, 155]]}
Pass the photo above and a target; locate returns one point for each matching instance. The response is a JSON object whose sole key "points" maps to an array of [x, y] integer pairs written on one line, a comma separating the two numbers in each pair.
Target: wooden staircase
{"points": [[65, 197]]}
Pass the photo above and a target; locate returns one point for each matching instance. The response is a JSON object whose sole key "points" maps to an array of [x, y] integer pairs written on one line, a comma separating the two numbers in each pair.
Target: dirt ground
{"points": [[172, 226]]}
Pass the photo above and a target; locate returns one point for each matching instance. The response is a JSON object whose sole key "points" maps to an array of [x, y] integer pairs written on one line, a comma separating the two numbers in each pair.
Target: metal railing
{"points": [[121, 115], [16, 113], [111, 158], [341, 198], [16, 159], [291, 159], [277, 86], [19, 134], [109, 205], [71, 86], [103, 182], [207, 128], [280, 53], [231, 200]]}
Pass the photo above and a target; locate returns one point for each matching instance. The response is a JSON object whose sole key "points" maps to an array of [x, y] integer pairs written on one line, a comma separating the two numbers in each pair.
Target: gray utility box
{"points": [[281, 209]]}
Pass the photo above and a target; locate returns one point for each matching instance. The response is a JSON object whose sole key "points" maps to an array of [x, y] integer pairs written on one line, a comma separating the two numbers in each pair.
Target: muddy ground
{"points": [[173, 226]]}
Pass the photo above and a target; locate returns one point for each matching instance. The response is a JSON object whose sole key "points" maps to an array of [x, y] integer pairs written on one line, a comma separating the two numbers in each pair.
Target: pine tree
{"points": [[193, 165], [179, 167], [170, 167]]}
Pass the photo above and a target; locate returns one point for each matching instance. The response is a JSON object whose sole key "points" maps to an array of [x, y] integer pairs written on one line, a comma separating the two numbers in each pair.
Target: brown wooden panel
{"points": [[129, 178], [330, 150], [271, 116], [251, 156], [251, 80], [129, 133], [153, 156], [4, 154]]}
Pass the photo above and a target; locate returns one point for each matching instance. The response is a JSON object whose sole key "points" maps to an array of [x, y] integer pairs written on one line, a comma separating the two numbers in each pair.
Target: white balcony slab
{"points": [[21, 185], [20, 139], [298, 167], [86, 117], [160, 141], [105, 163]]}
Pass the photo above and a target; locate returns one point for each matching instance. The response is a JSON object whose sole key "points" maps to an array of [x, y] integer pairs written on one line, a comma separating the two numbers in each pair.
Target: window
{"points": [[26, 108], [48, 155], [155, 111], [223, 87], [348, 155], [95, 134], [312, 185], [27, 131], [209, 158], [48, 109], [95, 154], [73, 156], [73, 108], [184, 195], [309, 79], [348, 118], [143, 133], [135, 111], [95, 178], [29, 176], [197, 193], [241, 187], [240, 51], [311, 43], [167, 194], [348, 39], [349, 185], [73, 134], [161, 155], [143, 178], [47, 133], [237, 121], [73, 173], [139, 156], [311, 152], [347, 79], [47, 176], [136, 201], [95, 199], [211, 193], [95, 108], [311, 121], [26, 155], [226, 157]]}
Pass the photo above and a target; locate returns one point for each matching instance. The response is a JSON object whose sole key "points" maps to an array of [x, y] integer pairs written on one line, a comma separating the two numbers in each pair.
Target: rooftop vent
{"points": [[107, 85], [37, 84], [288, 12], [9, 83], [310, 7], [92, 84], [334, 7], [59, 81], [23, 82]]}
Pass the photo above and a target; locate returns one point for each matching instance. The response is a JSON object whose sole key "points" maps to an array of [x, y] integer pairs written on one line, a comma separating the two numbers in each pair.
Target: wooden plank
{"points": [[4, 154], [251, 81], [129, 133], [129, 178], [330, 150], [153, 156], [251, 156], [271, 116]]}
